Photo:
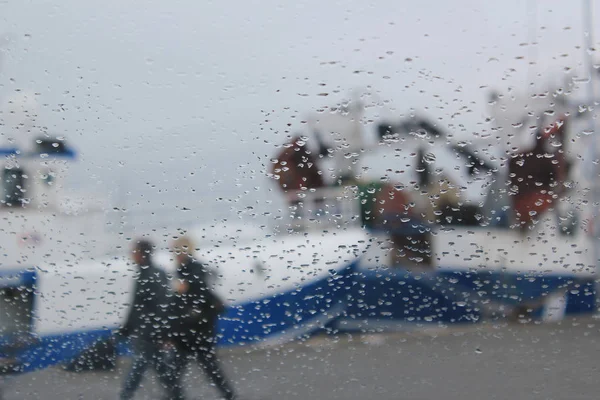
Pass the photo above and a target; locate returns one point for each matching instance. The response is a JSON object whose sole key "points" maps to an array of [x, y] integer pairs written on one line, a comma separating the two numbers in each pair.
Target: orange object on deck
{"points": [[296, 168], [537, 175], [529, 206]]}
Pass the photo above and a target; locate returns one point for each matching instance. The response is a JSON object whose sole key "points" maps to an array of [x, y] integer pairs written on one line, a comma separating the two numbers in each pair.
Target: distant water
{"points": [[146, 203]]}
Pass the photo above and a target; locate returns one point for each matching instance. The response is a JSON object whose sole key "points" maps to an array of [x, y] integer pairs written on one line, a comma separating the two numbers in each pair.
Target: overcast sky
{"points": [[217, 83]]}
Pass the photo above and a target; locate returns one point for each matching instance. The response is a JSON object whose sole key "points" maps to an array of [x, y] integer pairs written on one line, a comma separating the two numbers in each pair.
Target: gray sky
{"points": [[145, 83]]}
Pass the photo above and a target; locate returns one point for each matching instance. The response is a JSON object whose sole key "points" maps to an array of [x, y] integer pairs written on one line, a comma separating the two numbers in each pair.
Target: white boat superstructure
{"points": [[62, 286]]}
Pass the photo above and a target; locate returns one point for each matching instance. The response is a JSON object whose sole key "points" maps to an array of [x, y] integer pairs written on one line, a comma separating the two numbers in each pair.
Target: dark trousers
{"points": [[148, 354], [200, 344]]}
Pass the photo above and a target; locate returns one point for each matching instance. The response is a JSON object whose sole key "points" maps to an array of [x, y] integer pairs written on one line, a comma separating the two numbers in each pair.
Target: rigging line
{"points": [[532, 11]]}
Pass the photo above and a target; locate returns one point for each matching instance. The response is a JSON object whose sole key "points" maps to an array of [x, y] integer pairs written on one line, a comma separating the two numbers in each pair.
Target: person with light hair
{"points": [[198, 308]]}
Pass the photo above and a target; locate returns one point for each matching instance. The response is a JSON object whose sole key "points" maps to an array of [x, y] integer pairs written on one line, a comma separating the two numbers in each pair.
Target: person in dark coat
{"points": [[147, 324], [198, 309]]}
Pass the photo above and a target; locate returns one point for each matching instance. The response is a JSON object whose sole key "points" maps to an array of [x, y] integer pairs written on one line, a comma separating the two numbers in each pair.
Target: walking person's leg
{"points": [[141, 359], [207, 358], [169, 365]]}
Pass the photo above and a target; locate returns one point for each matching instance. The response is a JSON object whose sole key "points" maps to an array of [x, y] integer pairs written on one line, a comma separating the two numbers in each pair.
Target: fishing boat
{"points": [[461, 253], [64, 288]]}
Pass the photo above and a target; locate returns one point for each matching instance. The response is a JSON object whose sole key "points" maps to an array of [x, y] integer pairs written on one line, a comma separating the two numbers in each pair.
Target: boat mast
{"points": [[588, 40], [532, 44]]}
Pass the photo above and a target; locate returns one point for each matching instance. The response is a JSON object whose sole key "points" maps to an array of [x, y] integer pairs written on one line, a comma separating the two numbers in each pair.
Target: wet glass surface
{"points": [[273, 200]]}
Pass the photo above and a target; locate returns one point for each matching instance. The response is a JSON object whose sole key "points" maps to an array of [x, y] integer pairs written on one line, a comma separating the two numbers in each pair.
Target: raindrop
{"points": [[421, 133], [429, 158]]}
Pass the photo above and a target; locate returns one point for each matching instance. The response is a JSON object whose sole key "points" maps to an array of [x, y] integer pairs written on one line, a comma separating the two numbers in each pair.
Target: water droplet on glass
{"points": [[429, 158]]}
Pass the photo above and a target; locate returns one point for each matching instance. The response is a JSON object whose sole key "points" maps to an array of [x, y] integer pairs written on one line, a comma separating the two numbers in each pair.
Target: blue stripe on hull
{"points": [[399, 299], [518, 288], [364, 300], [17, 278], [393, 295], [281, 317], [51, 350], [282, 314]]}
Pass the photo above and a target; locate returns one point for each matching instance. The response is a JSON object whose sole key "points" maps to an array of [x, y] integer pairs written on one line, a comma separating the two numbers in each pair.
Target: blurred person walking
{"points": [[147, 325], [198, 309]]}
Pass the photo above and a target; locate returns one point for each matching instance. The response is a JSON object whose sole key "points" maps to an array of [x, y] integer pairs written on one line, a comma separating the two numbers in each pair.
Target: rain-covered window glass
{"points": [[299, 199]]}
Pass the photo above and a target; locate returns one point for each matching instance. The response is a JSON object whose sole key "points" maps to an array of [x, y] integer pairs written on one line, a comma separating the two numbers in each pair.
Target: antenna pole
{"points": [[588, 40], [532, 45]]}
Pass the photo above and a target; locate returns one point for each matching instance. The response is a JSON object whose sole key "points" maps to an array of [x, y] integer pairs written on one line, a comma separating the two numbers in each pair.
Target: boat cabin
{"points": [[42, 225]]}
